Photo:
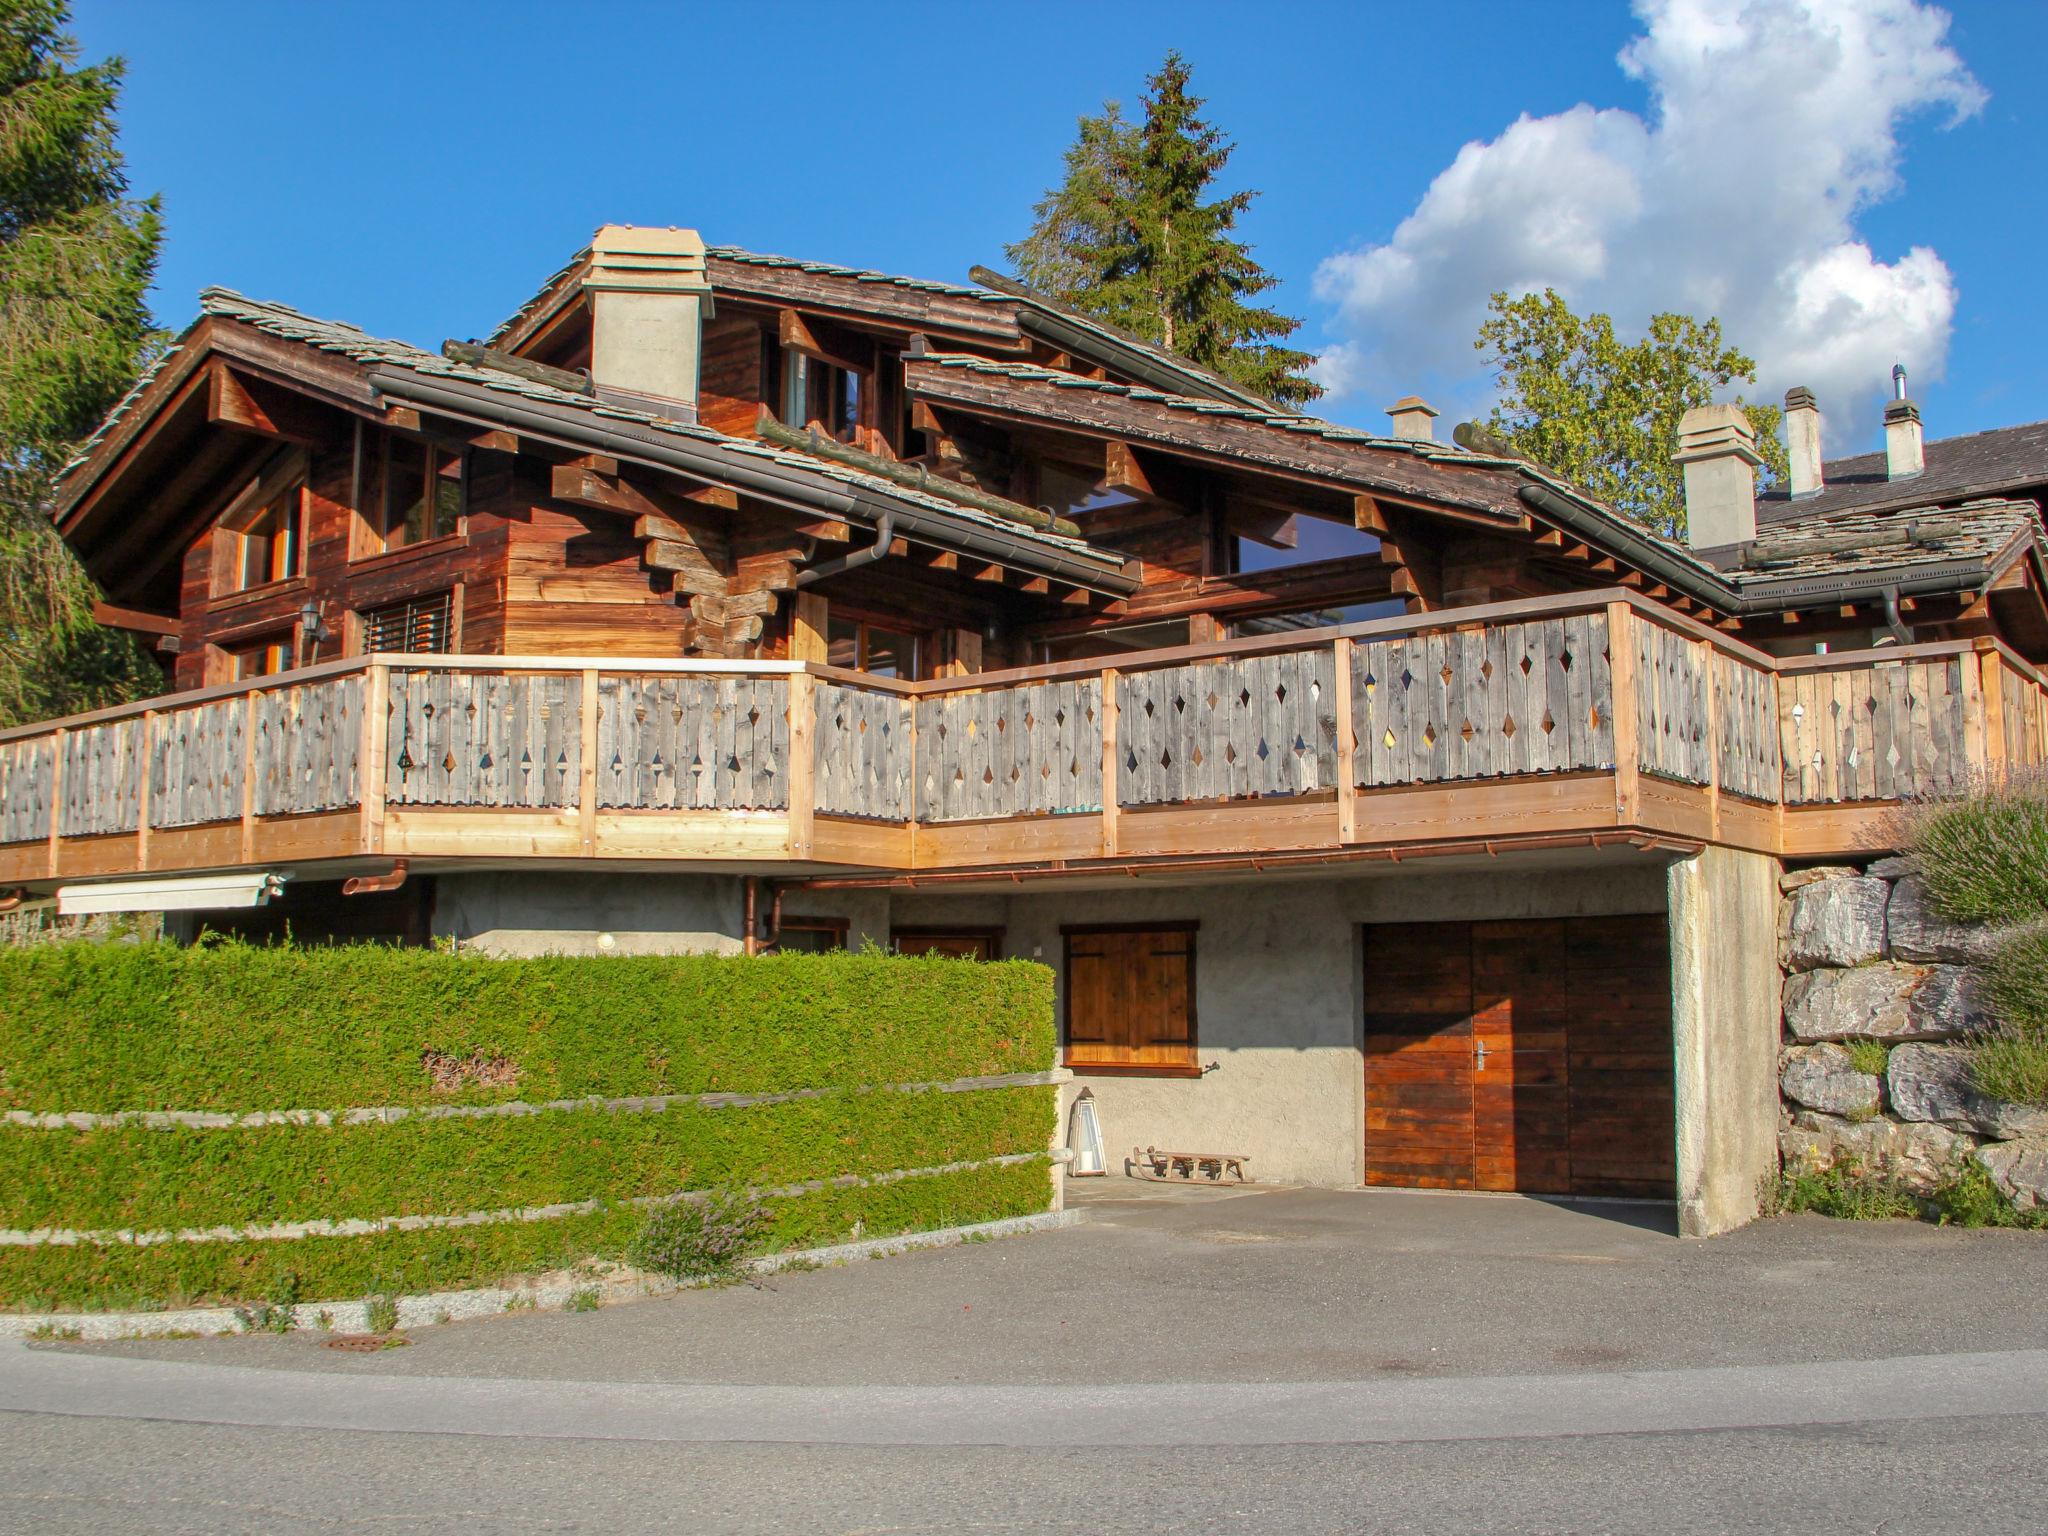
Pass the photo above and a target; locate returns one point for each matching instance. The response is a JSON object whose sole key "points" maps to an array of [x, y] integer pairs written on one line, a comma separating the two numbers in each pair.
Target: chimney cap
{"points": [[1409, 403], [1901, 410], [1711, 431], [1800, 398]]}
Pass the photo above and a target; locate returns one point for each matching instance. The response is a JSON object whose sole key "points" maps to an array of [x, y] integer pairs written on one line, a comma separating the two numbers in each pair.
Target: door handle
{"points": [[1479, 1056]]}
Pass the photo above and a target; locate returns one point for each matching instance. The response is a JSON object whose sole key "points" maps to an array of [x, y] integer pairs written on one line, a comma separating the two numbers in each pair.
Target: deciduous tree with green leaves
{"points": [[76, 257], [1128, 238], [1604, 413]]}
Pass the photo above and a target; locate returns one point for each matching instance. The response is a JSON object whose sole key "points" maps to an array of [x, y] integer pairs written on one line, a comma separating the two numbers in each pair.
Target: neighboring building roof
{"points": [[359, 346], [1913, 541], [1997, 462]]}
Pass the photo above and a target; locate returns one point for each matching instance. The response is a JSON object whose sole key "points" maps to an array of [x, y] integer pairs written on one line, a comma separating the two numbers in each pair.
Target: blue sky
{"points": [[420, 168]]}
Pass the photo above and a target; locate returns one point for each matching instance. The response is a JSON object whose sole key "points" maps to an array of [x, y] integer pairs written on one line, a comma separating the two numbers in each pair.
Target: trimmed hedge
{"points": [[104, 1027], [89, 1278]]}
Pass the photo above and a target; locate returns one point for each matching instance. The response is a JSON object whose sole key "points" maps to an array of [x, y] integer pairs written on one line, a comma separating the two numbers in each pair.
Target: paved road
{"points": [[1283, 1360]]}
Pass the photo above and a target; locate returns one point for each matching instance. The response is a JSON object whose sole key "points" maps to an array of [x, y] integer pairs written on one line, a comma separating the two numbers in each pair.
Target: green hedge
{"points": [[106, 1027], [119, 1277]]}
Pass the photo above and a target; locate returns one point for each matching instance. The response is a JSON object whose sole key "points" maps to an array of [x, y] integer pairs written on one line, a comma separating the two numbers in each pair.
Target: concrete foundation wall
{"points": [[548, 913], [1279, 993], [1724, 996]]}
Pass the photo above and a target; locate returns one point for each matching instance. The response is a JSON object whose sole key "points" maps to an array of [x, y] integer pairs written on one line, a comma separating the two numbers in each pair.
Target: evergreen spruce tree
{"points": [[76, 257], [1127, 237]]}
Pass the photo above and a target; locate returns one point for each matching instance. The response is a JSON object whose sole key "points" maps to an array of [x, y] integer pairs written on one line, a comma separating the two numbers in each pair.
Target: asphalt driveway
{"points": [[1182, 1360]]}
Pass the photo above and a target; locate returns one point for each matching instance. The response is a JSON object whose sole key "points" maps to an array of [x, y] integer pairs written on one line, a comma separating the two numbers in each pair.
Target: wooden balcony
{"points": [[1591, 718]]}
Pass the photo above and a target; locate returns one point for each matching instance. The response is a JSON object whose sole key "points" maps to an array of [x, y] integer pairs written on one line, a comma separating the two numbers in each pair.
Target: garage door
{"points": [[1529, 1055]]}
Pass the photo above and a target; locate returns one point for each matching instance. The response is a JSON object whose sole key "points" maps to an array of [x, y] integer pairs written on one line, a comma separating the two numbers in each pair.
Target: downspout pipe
{"points": [[885, 535], [752, 917]]}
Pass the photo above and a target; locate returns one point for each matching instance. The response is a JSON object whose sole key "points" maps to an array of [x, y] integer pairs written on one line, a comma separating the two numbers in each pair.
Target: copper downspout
{"points": [[11, 899], [364, 885], [752, 918]]}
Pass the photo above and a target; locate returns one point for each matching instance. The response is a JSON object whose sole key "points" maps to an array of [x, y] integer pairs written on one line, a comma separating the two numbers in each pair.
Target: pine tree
{"points": [[1127, 237], [76, 257]]}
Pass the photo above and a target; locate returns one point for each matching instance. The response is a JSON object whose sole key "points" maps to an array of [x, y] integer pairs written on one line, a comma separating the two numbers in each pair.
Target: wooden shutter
{"points": [[419, 624], [1130, 999]]}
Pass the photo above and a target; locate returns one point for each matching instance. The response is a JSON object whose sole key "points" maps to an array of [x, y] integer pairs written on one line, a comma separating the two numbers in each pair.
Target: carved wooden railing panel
{"points": [[1024, 751], [1512, 699], [1232, 729], [1884, 731], [308, 747], [197, 758], [1746, 721], [501, 739], [1671, 706], [693, 743], [28, 779], [862, 753], [102, 779]]}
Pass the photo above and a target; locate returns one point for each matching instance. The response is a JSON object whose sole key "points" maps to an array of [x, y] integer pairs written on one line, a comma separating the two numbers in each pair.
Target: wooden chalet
{"points": [[727, 600]]}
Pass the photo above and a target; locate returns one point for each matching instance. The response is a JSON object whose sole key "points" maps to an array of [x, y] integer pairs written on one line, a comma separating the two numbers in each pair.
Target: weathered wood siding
{"points": [[1883, 732], [1025, 751], [1518, 698], [102, 779], [27, 779], [862, 753], [1671, 706], [1253, 726], [701, 743], [484, 738], [308, 740], [196, 762], [1746, 721], [2026, 718]]}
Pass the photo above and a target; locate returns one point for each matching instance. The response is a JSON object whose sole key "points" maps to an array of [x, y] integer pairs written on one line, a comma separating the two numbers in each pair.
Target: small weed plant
{"points": [[583, 1299], [1847, 1191], [1972, 1200], [380, 1314], [1871, 1056], [277, 1311], [706, 1238]]}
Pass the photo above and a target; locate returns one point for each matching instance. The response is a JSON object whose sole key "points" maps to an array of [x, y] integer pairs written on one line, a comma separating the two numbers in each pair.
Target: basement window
{"points": [[424, 493], [1130, 999], [417, 624], [810, 935]]}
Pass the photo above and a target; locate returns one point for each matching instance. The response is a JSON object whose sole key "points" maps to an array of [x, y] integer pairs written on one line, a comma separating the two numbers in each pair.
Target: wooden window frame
{"points": [[374, 520], [923, 641], [284, 641], [992, 936], [838, 927], [282, 477], [1192, 1067]]}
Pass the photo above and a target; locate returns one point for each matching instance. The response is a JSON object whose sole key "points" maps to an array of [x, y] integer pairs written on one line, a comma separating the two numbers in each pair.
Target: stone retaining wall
{"points": [[1867, 959]]}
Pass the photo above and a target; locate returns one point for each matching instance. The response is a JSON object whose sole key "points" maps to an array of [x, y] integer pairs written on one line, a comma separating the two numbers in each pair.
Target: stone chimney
{"points": [[649, 299], [1905, 454], [1717, 447], [1802, 441], [1414, 419]]}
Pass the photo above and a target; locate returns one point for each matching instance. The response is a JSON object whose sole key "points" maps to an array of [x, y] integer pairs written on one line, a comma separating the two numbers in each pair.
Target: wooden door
{"points": [[1418, 1056], [1524, 1055]]}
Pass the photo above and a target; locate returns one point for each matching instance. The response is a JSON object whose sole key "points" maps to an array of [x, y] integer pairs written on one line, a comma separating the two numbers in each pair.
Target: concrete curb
{"points": [[546, 1293]]}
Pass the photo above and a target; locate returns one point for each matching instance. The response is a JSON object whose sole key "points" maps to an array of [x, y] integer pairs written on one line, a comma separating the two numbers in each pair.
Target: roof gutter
{"points": [[1753, 598], [780, 484]]}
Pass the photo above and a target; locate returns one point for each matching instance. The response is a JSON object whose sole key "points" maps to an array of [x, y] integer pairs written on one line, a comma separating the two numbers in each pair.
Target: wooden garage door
{"points": [[1531, 1055]]}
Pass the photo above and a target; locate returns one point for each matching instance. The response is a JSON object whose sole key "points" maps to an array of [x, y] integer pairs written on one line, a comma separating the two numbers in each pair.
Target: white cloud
{"points": [[1771, 124]]}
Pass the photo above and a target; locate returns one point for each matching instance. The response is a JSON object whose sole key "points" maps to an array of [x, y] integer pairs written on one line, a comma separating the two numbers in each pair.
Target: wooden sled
{"points": [[1186, 1167]]}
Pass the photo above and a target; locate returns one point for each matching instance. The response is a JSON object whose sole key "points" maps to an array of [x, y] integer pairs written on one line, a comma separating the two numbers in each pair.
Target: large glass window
{"points": [[860, 646], [423, 493]]}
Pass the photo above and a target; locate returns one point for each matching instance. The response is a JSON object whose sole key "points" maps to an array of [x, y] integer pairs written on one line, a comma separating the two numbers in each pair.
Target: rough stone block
{"points": [[1918, 932], [1922, 1157], [1934, 1083], [1897, 867], [1820, 1077], [1836, 922], [2019, 1169], [1798, 879]]}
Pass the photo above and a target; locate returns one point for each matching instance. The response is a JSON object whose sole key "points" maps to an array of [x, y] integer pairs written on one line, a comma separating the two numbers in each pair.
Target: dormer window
{"points": [[261, 537], [821, 392], [423, 495]]}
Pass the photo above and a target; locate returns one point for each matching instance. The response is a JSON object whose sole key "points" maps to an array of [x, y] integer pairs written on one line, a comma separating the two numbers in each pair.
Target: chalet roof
{"points": [[1979, 464], [360, 346], [1909, 541]]}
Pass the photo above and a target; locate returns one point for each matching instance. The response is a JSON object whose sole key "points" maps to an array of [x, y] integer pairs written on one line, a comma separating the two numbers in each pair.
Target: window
{"points": [[813, 390], [259, 658], [418, 624], [1300, 540], [423, 493], [860, 646], [810, 935], [960, 943], [1317, 618], [264, 542], [1130, 999]]}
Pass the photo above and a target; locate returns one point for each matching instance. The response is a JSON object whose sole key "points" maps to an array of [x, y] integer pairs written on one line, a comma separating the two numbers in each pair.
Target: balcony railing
{"points": [[1577, 715]]}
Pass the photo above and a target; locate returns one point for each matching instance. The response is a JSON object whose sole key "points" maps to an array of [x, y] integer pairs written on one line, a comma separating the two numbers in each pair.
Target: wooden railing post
{"points": [[249, 774], [145, 778], [57, 739], [1991, 674], [376, 747], [1704, 650], [1621, 670], [1347, 793], [1108, 717], [803, 788], [586, 777]]}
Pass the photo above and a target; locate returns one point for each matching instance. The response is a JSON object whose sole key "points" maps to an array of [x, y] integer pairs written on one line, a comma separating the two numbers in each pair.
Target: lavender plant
{"points": [[705, 1237]]}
